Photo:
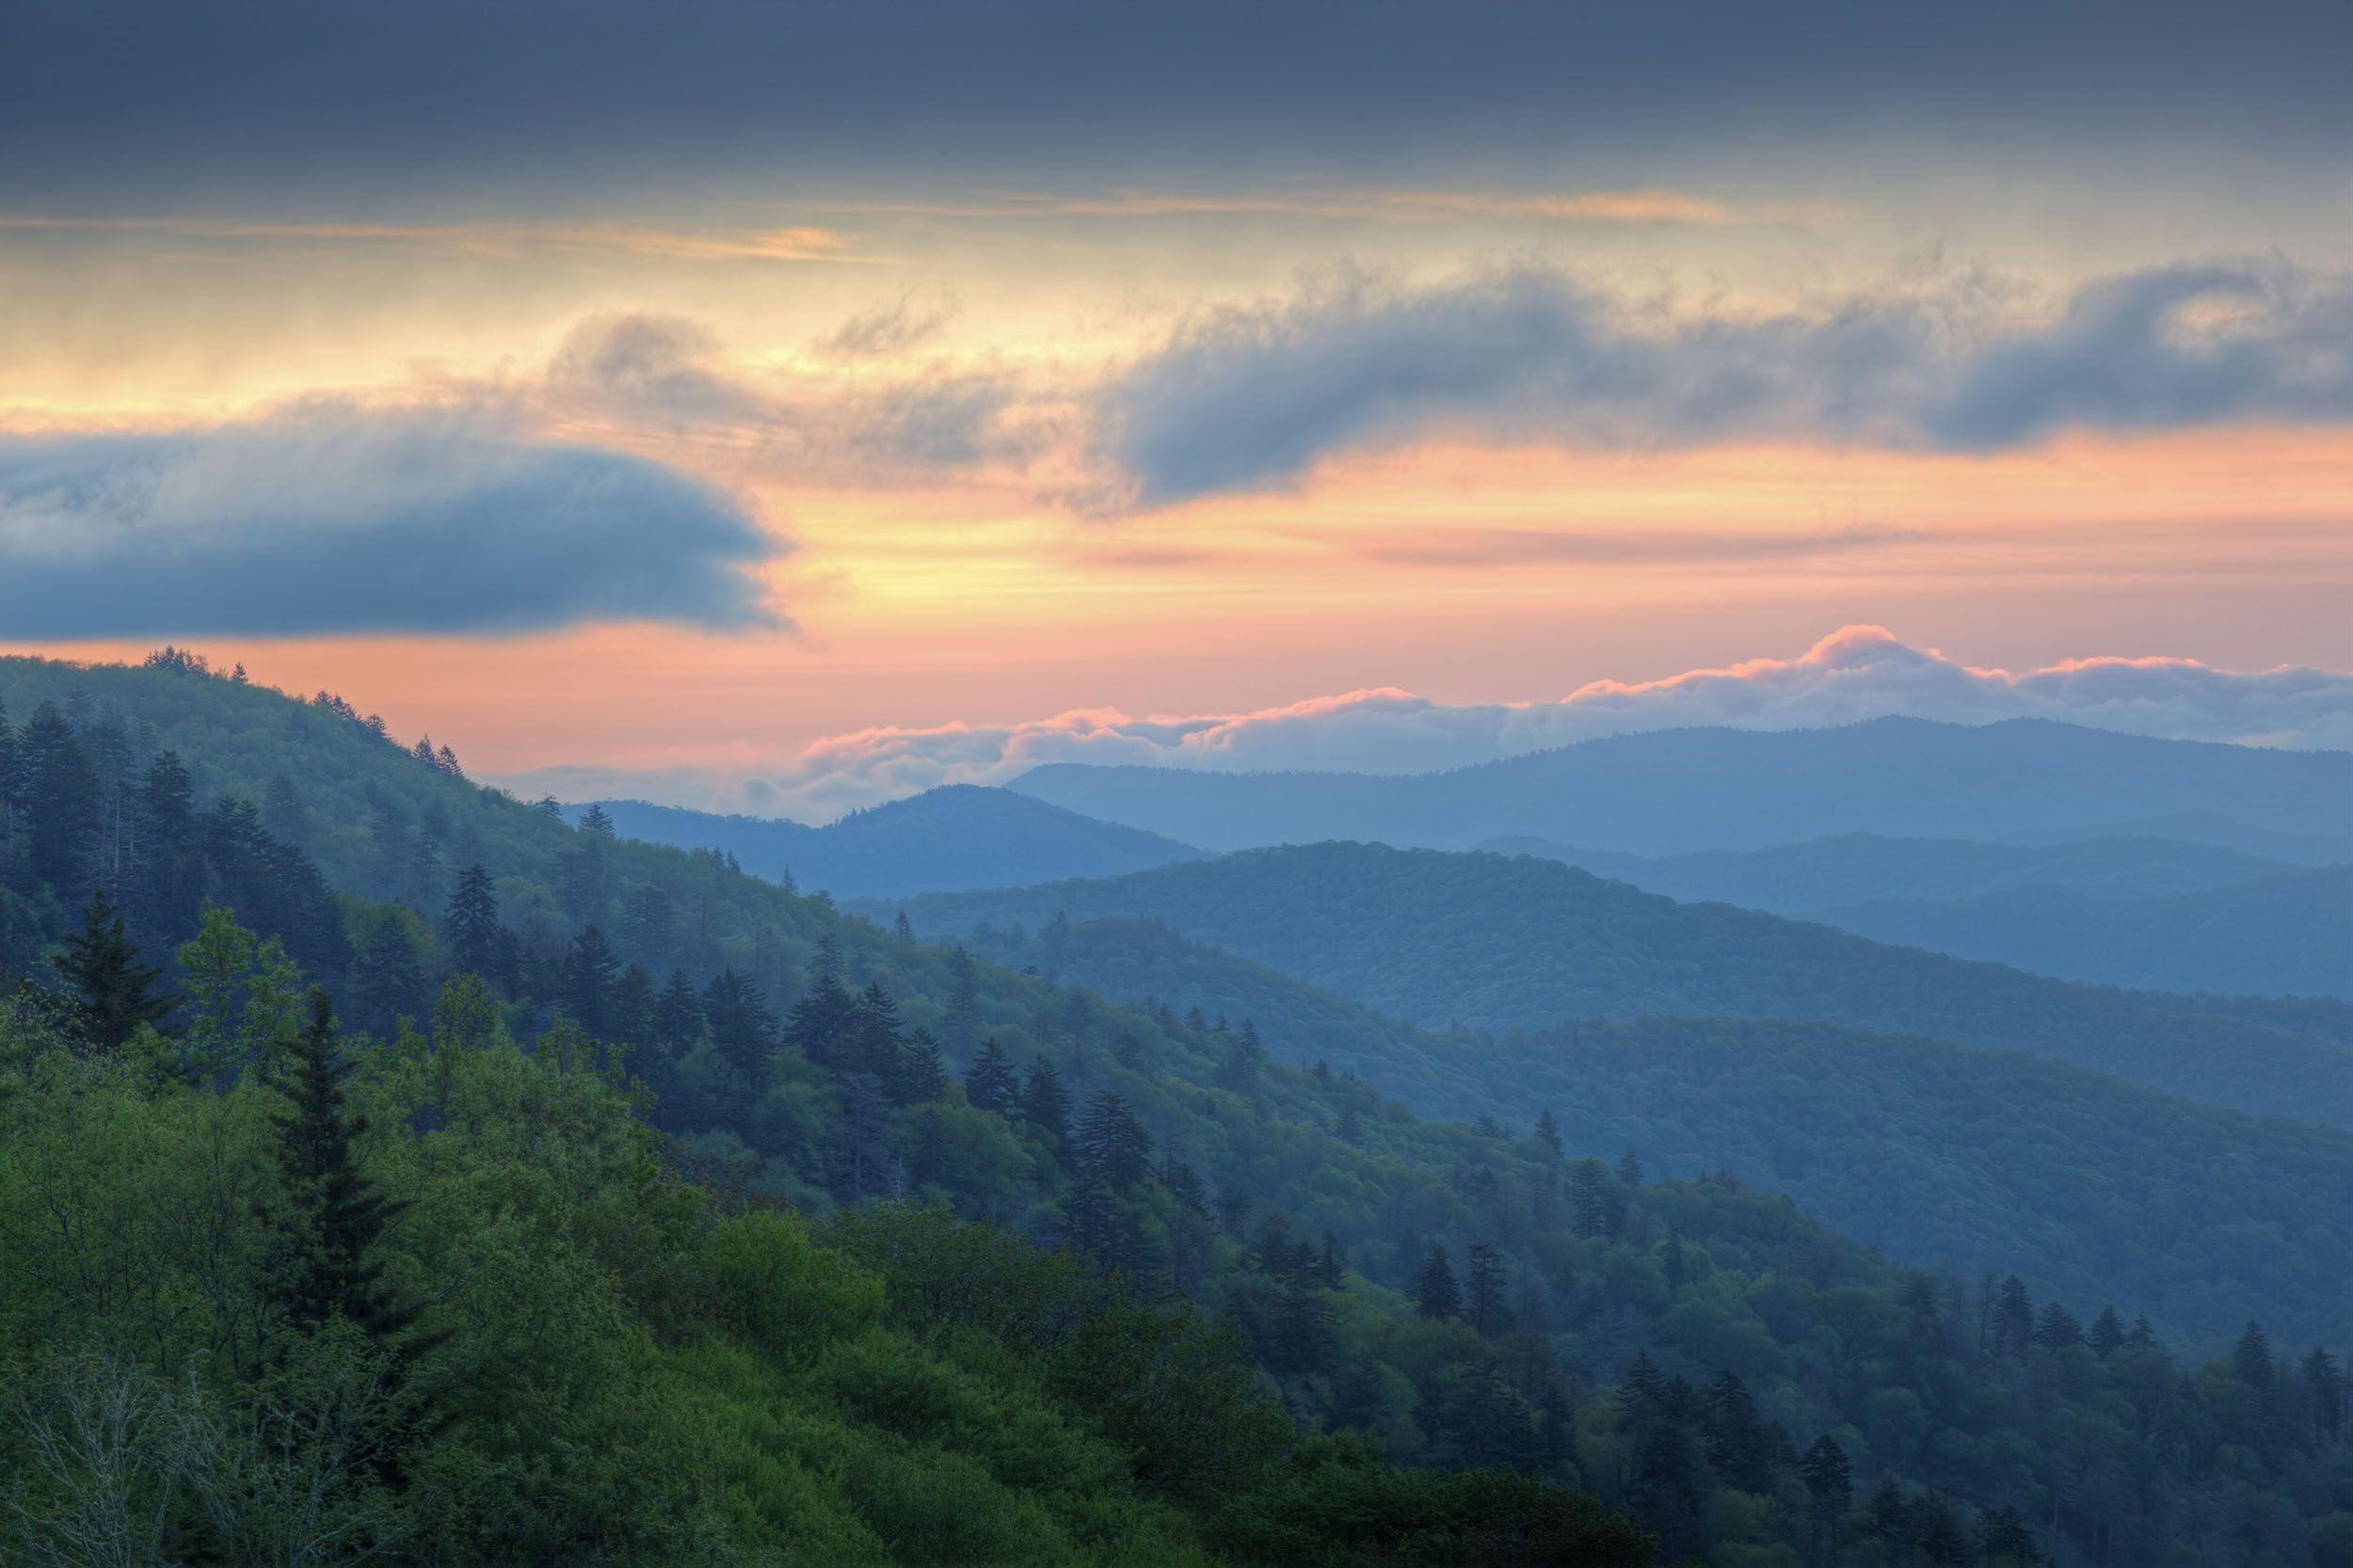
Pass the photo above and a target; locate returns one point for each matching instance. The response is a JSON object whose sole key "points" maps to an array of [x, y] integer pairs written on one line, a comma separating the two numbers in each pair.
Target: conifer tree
{"points": [[323, 1266], [1629, 1169], [924, 1072], [2250, 1358], [2326, 1382], [1483, 1302], [2107, 1334], [471, 923], [1829, 1479], [116, 993], [1110, 1144], [740, 1025], [990, 1083], [590, 974], [1595, 1201], [1044, 1104], [1548, 1132], [677, 1015], [1436, 1295]]}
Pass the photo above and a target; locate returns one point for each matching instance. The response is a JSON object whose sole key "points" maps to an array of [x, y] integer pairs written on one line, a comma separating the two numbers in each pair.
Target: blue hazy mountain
{"points": [[1674, 792], [958, 835]]}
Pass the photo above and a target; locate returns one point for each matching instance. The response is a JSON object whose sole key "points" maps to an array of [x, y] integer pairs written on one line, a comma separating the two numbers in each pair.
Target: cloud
{"points": [[750, 245], [1857, 673], [1490, 547], [329, 518], [1650, 208], [900, 325], [1250, 398]]}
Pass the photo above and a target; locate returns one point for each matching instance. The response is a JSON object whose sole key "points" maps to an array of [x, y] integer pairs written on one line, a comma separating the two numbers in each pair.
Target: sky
{"points": [[786, 406]]}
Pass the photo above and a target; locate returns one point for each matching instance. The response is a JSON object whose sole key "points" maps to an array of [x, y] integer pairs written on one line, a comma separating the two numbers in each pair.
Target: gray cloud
{"points": [[1856, 673], [898, 325], [1250, 398], [329, 518]]}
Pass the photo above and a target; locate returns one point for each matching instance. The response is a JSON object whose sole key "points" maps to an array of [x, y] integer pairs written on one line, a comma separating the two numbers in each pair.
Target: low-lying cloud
{"points": [[1248, 398], [1857, 673], [331, 518]]}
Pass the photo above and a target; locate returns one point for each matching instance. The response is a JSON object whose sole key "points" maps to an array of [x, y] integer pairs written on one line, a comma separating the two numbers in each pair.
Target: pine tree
{"points": [[1595, 1201], [591, 973], [2003, 1537], [1738, 1445], [1484, 1302], [1936, 1533], [1629, 1169], [963, 1022], [2251, 1357], [115, 992], [990, 1083], [2056, 1327], [2142, 1336], [677, 1015], [740, 1025], [822, 1024], [1044, 1104], [1548, 1132], [1184, 1184], [322, 1266], [2326, 1382], [1110, 1145], [168, 895], [923, 1071], [1436, 1295], [1829, 1479], [471, 923], [2014, 1317], [2107, 1333]]}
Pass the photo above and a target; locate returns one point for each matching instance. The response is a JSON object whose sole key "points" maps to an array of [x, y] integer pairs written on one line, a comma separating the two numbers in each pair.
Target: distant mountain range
{"points": [[1487, 942], [2020, 781], [956, 836], [2151, 913]]}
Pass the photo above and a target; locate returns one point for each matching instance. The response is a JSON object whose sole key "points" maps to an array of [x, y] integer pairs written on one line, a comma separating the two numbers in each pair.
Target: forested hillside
{"points": [[1484, 942], [954, 837], [1941, 1154], [1805, 879], [2286, 935], [1679, 791], [580, 1338]]}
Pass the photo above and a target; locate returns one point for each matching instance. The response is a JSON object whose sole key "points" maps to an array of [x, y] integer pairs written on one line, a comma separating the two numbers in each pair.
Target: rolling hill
{"points": [[1675, 792], [1487, 942], [956, 836]]}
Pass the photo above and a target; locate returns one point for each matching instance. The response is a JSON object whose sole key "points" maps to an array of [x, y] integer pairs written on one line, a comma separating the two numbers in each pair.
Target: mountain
{"points": [[2289, 934], [1943, 1155], [1805, 879], [1674, 792], [956, 836], [1441, 938], [2153, 913], [945, 1375]]}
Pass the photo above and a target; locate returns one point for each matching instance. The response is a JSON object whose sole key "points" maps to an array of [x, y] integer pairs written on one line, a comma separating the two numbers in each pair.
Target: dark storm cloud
{"points": [[102, 102], [1249, 398], [329, 519]]}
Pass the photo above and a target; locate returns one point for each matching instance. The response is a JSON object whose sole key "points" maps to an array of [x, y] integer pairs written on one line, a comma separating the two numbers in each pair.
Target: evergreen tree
{"points": [[387, 978], [168, 889], [1485, 1301], [822, 1024], [1184, 1184], [1738, 1445], [591, 973], [471, 923], [1436, 1293], [1595, 1201], [2250, 1358], [2004, 1538], [2107, 1334], [59, 799], [1830, 1487], [1110, 1145], [2142, 1336], [1044, 1104], [323, 1266], [2014, 1317], [740, 1025], [677, 1015], [2056, 1327], [2326, 1382], [963, 1021], [1936, 1533], [1629, 1169], [990, 1083], [114, 991], [923, 1071], [1548, 1132]]}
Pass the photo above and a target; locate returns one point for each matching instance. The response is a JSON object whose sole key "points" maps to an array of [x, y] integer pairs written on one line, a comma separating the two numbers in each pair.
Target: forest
{"points": [[391, 1169]]}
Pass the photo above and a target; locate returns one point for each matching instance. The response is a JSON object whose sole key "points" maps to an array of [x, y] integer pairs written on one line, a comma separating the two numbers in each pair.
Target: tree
{"points": [[1739, 1446], [590, 974], [116, 992], [2056, 1327], [323, 1263], [2250, 1358], [990, 1083], [471, 923], [1044, 1104], [1629, 1169], [2003, 1537], [2107, 1333], [1595, 1201], [60, 796], [923, 1070], [740, 1025], [2014, 1317], [168, 891], [1436, 1295], [1110, 1145], [677, 1015], [1830, 1488], [1485, 1304], [963, 1021], [2326, 1382]]}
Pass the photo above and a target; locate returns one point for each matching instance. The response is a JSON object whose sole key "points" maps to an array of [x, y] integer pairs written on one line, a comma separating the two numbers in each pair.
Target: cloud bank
{"points": [[1250, 398], [329, 519], [1857, 673]]}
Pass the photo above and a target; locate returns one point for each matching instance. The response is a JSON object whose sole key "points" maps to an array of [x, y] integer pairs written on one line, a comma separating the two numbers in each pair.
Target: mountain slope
{"points": [[1503, 944], [1943, 1155], [956, 836], [1805, 879], [1673, 791], [2290, 935]]}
